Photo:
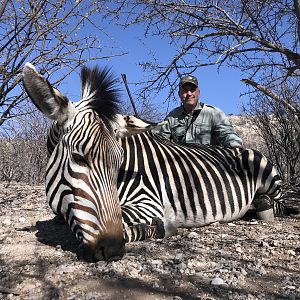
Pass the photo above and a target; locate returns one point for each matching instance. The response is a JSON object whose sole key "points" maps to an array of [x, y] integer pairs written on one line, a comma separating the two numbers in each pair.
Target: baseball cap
{"points": [[188, 79]]}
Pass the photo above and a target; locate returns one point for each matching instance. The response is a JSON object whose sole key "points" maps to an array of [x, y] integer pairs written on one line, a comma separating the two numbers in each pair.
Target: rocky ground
{"points": [[240, 260]]}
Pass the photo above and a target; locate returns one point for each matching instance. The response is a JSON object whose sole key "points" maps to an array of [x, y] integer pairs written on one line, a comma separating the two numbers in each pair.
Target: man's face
{"points": [[189, 95]]}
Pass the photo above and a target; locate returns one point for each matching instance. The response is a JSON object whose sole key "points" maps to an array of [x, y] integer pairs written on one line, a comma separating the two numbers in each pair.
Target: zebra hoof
{"points": [[265, 215]]}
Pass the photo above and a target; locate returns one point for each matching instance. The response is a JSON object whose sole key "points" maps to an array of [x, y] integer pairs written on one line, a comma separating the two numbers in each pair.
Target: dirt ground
{"points": [[240, 260]]}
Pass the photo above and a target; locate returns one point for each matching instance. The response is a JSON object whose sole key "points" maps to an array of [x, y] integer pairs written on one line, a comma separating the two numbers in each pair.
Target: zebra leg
{"points": [[143, 231], [264, 208]]}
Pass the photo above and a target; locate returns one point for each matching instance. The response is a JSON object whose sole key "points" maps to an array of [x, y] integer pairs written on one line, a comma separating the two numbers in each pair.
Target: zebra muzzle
{"points": [[110, 249]]}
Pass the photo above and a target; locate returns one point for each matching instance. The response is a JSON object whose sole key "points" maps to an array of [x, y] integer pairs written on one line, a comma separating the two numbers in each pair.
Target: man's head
{"points": [[189, 93], [188, 79]]}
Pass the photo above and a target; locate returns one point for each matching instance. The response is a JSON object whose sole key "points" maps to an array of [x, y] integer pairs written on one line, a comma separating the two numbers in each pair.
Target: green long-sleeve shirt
{"points": [[210, 127]]}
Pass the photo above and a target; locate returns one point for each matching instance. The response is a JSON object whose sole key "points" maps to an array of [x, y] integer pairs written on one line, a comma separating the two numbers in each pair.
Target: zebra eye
{"points": [[80, 237], [79, 159]]}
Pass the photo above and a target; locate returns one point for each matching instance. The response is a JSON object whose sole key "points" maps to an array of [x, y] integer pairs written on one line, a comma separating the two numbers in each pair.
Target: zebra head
{"points": [[85, 157]]}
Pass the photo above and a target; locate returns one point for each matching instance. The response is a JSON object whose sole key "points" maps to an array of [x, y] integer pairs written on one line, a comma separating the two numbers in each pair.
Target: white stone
{"points": [[156, 263], [217, 281], [291, 287], [291, 252], [239, 249], [244, 272], [6, 222], [193, 235]]}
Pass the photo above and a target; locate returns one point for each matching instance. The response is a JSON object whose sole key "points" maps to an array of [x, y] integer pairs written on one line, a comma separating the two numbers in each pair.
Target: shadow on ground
{"points": [[54, 233]]}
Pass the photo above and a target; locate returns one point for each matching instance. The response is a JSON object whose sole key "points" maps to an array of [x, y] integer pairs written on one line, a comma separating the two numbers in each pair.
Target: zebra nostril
{"points": [[99, 254], [110, 249]]}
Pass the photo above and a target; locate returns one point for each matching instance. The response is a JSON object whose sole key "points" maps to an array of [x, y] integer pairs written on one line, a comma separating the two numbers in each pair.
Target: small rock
{"points": [[182, 266], [101, 264], [244, 272], [192, 235], [156, 263], [264, 244], [6, 222], [238, 249], [187, 272], [22, 219], [223, 270], [274, 243], [262, 271], [291, 252], [231, 224], [217, 281], [178, 258], [176, 282], [200, 266], [291, 287], [134, 272], [177, 298], [250, 297]]}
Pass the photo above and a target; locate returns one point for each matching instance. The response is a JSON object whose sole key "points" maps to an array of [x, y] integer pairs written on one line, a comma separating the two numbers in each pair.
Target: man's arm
{"points": [[165, 130], [225, 133]]}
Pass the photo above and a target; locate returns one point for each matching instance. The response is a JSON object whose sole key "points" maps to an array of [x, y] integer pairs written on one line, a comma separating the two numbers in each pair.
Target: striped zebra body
{"points": [[190, 185]]}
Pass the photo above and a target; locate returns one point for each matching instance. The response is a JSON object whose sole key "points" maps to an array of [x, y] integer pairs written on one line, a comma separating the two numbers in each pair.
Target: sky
{"points": [[219, 88]]}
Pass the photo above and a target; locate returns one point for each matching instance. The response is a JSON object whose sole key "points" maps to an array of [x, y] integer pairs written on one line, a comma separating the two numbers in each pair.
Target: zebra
{"points": [[189, 185], [114, 181]]}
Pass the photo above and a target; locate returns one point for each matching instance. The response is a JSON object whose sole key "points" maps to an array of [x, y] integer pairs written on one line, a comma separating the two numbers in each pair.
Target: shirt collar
{"points": [[198, 106]]}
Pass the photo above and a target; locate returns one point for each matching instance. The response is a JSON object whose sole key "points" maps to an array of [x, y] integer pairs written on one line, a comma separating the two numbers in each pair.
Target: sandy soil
{"points": [[240, 260]]}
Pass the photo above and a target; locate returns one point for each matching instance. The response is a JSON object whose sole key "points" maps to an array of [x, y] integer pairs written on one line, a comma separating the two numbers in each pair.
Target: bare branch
{"points": [[54, 35], [3, 6], [257, 37], [297, 12], [269, 93]]}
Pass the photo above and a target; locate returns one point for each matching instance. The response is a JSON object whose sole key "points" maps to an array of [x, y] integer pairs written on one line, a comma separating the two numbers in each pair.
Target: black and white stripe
{"points": [[190, 185]]}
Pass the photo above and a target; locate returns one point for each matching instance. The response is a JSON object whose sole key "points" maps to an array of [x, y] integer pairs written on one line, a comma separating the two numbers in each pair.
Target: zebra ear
{"points": [[52, 103], [130, 125]]}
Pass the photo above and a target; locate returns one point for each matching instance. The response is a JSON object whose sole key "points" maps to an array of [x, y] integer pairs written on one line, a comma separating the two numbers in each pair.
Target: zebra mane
{"points": [[100, 92]]}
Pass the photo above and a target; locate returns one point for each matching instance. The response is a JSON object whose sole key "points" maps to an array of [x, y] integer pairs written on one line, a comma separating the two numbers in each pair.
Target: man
{"points": [[195, 122]]}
